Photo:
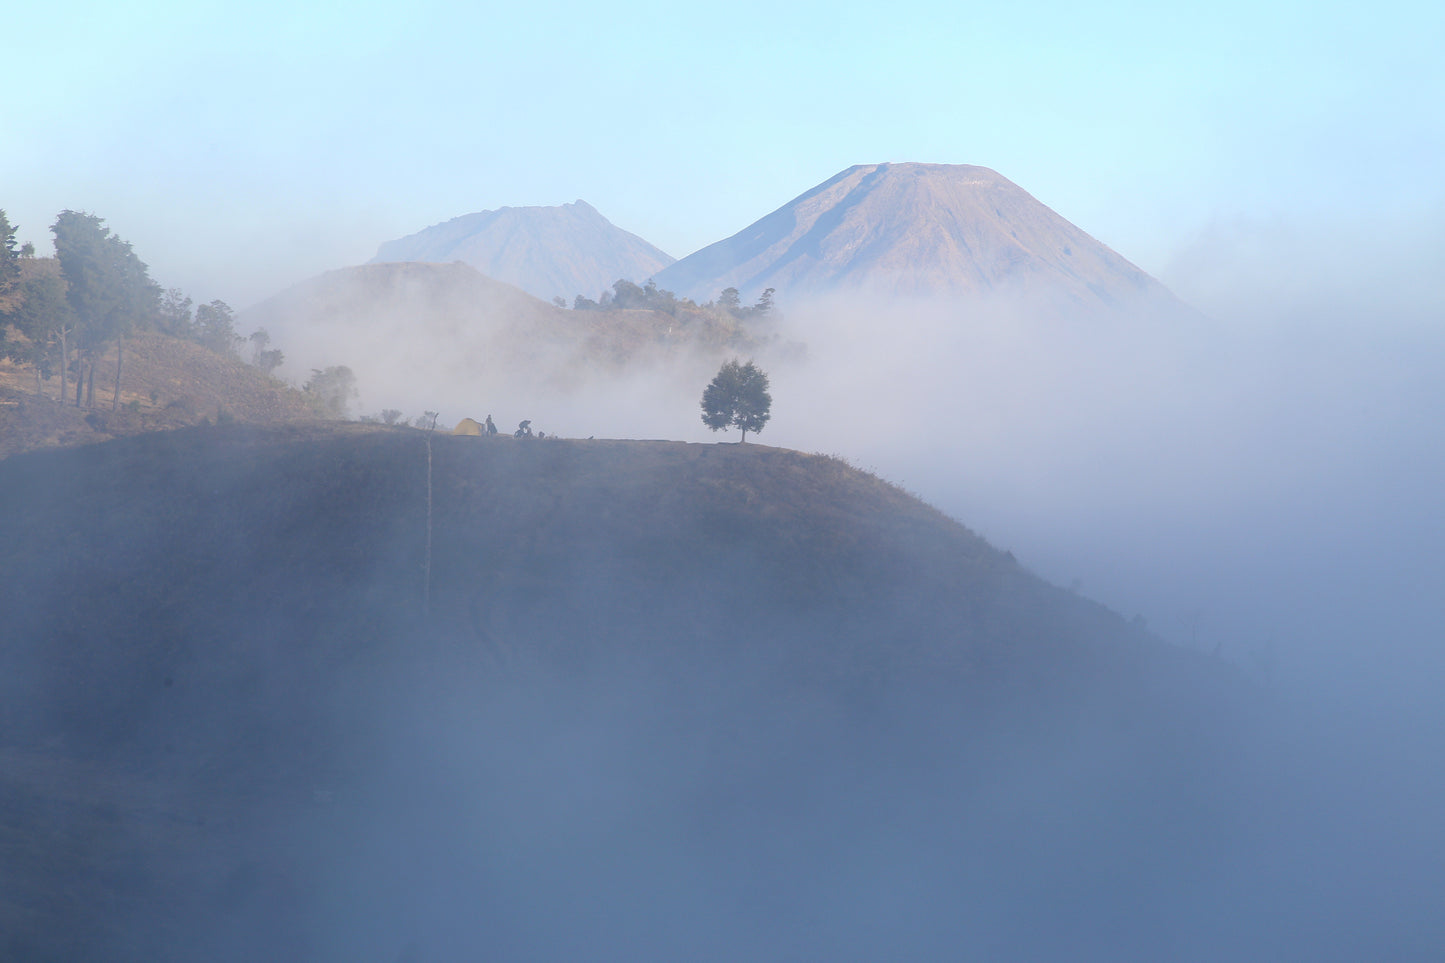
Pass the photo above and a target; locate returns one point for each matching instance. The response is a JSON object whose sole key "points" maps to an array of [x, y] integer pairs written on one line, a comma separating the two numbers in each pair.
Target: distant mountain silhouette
{"points": [[546, 251], [915, 230]]}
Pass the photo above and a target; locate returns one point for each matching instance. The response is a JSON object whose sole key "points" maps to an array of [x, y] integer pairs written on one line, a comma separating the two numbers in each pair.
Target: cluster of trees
{"points": [[625, 294], [213, 326], [732, 302], [62, 315], [100, 292]]}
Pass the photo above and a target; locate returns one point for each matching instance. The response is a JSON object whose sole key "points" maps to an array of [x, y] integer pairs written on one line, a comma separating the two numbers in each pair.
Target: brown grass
{"points": [[166, 383]]}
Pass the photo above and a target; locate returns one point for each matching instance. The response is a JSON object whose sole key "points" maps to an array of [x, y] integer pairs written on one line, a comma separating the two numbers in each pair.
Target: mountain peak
{"points": [[548, 252], [914, 229]]}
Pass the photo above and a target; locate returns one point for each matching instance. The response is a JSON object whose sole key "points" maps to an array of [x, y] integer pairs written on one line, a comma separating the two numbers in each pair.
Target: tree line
{"points": [[649, 296], [62, 315]]}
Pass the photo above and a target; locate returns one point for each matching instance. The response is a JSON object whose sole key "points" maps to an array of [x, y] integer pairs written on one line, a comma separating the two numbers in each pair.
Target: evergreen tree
{"points": [[215, 328], [765, 303], [9, 256], [173, 316], [41, 313], [108, 287], [267, 358]]}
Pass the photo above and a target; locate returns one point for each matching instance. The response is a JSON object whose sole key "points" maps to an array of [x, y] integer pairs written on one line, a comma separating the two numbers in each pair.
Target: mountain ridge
{"points": [[916, 230], [549, 252]]}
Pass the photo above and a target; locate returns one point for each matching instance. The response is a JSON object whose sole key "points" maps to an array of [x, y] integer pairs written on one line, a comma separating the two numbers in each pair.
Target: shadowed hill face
{"points": [[916, 230], [656, 700], [547, 251], [223, 533]]}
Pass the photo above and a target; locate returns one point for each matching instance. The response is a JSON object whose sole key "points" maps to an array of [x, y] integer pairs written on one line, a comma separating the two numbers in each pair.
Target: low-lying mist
{"points": [[1258, 483], [1260, 480], [1264, 489]]}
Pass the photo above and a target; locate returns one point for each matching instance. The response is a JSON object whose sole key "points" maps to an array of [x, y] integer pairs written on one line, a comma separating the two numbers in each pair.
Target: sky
{"points": [[242, 149]]}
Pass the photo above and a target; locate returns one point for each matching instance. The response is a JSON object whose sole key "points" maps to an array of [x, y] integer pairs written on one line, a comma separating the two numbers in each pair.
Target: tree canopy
{"points": [[72, 313], [9, 256], [267, 358], [215, 328], [40, 313], [737, 397], [331, 391], [108, 287]]}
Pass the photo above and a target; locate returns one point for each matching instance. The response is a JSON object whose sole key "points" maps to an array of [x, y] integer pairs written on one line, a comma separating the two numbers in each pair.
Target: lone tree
{"points": [[739, 397]]}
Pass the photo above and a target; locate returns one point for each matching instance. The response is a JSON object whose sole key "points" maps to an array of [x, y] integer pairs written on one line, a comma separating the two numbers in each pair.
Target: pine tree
{"points": [[9, 256], [108, 287]]}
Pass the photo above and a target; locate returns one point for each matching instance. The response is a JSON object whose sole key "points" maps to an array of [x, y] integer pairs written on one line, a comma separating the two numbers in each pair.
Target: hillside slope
{"points": [[916, 230], [165, 383], [546, 251], [751, 688]]}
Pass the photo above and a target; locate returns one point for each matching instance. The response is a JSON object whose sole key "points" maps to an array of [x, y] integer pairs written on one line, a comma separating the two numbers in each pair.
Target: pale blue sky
{"points": [[242, 148]]}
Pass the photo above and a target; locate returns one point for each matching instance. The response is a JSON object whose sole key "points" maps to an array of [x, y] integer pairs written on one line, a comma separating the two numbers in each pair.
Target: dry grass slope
{"points": [[165, 383]]}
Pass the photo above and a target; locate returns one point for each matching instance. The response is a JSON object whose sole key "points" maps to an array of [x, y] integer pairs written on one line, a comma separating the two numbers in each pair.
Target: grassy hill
{"points": [[643, 699], [165, 383]]}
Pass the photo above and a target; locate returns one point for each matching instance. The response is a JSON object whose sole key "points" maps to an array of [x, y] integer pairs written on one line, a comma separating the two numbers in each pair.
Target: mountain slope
{"points": [[699, 694], [546, 251], [914, 230]]}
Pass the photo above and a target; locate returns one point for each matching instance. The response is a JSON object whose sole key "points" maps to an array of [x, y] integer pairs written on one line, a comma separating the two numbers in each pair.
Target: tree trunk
{"points": [[119, 356], [90, 384], [79, 378], [745, 437]]}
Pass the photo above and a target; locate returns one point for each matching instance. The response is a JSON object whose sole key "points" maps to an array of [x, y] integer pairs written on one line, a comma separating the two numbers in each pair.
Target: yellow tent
{"points": [[468, 426]]}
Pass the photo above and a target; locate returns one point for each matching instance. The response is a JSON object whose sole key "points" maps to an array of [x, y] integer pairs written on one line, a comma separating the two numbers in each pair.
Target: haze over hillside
{"points": [[445, 337], [547, 251], [952, 235], [915, 230], [642, 700]]}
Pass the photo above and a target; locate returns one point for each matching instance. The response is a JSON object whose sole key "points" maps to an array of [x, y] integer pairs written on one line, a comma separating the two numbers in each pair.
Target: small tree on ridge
{"points": [[737, 397]]}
